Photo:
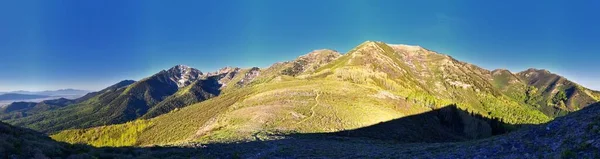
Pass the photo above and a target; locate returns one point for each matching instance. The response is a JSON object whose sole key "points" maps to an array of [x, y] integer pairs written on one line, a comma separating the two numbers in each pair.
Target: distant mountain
{"points": [[16, 96], [17, 110], [60, 92], [63, 92]]}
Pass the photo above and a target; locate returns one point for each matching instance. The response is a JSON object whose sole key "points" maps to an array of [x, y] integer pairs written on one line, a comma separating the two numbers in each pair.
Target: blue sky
{"points": [[92, 44]]}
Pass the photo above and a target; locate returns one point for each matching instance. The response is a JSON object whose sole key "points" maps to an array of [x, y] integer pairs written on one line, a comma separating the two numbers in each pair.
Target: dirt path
{"points": [[312, 109]]}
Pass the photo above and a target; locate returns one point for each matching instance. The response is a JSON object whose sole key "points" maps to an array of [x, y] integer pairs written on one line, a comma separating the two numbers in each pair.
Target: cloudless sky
{"points": [[92, 44]]}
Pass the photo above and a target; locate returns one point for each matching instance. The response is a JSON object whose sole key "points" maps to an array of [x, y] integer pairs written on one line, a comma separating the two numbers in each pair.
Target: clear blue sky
{"points": [[92, 44]]}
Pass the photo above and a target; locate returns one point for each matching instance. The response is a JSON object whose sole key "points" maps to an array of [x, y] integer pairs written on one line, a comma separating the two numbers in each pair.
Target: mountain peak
{"points": [[537, 70], [180, 67], [224, 70], [407, 47], [370, 44], [321, 51], [378, 46], [183, 75], [322, 54], [533, 72], [500, 70]]}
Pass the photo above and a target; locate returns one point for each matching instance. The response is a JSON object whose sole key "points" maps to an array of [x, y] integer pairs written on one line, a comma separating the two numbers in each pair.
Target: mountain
{"points": [[160, 93], [23, 109], [324, 92], [199, 90], [16, 110], [60, 92], [63, 92], [105, 90], [554, 93], [15, 96]]}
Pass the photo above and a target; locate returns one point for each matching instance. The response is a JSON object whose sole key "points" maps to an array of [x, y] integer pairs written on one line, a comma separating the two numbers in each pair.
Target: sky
{"points": [[90, 45]]}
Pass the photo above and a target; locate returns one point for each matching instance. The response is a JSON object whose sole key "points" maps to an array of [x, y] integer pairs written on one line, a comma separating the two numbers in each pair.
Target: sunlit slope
{"points": [[326, 92], [286, 106], [415, 73]]}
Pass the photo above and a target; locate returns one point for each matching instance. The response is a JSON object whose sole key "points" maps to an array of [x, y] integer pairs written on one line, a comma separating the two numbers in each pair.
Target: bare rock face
{"points": [[249, 76], [183, 75], [224, 75], [310, 62]]}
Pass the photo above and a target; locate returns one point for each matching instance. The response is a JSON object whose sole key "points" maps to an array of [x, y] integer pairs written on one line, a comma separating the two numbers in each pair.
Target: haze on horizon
{"points": [[90, 45]]}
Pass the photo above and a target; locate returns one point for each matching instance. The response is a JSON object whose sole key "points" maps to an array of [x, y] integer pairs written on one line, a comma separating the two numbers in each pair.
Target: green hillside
{"points": [[556, 95], [326, 92], [22, 109]]}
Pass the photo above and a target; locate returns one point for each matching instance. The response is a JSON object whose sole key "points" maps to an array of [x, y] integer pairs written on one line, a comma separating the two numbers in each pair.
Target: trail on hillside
{"points": [[312, 109]]}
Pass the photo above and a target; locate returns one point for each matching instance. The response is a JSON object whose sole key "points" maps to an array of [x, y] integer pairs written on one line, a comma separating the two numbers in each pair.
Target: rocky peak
{"points": [[534, 73], [534, 70], [412, 50], [369, 47], [405, 47], [224, 71], [249, 76], [309, 62], [183, 75], [323, 55]]}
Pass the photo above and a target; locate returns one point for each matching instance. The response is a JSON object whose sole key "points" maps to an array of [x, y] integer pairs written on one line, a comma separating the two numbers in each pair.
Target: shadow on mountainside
{"points": [[447, 124], [574, 136]]}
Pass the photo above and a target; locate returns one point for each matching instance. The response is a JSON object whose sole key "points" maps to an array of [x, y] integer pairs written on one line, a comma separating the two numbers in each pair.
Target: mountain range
{"points": [[60, 92], [15, 96], [376, 91], [7, 98]]}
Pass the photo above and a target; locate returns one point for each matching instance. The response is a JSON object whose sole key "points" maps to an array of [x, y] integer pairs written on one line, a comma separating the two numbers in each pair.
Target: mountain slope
{"points": [[24, 143], [555, 94], [197, 91], [23, 109]]}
